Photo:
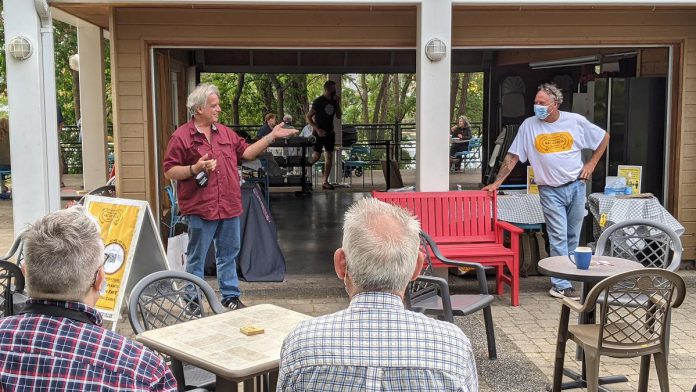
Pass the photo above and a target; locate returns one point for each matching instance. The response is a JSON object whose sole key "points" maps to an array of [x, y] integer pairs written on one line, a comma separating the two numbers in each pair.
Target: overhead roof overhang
{"points": [[98, 12], [302, 61]]}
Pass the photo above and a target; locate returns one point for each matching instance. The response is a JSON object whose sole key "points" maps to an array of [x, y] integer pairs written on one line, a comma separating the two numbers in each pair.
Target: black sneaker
{"points": [[566, 293], [233, 303]]}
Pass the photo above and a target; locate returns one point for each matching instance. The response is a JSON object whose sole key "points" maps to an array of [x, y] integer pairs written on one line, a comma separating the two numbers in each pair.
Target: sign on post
{"points": [[132, 248], [632, 174]]}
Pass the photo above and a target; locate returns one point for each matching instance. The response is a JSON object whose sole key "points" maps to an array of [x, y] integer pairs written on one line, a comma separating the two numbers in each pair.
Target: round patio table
{"points": [[601, 267]]}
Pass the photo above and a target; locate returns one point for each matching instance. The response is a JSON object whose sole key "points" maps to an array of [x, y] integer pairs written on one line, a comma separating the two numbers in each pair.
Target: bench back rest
{"points": [[450, 217]]}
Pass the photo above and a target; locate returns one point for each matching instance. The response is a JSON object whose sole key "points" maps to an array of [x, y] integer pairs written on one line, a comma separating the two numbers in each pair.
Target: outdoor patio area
{"points": [[526, 335]]}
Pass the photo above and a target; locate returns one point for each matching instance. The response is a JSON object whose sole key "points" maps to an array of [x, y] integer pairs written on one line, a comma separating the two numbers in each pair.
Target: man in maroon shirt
{"points": [[204, 147]]}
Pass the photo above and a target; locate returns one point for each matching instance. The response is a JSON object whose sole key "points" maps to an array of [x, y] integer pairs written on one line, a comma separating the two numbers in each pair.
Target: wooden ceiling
{"points": [[99, 14]]}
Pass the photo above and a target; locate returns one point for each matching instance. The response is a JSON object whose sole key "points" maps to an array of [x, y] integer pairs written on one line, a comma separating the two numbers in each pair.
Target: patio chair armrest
{"points": [[443, 288], [577, 307]]}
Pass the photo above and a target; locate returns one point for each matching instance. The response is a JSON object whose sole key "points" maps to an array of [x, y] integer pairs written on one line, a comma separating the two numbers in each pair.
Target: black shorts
{"points": [[328, 142]]}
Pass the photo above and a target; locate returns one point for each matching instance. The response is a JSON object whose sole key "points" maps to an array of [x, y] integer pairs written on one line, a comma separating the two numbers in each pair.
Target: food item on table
{"points": [[250, 330]]}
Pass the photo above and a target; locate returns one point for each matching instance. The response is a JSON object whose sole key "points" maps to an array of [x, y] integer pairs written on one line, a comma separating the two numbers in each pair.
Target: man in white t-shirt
{"points": [[552, 141]]}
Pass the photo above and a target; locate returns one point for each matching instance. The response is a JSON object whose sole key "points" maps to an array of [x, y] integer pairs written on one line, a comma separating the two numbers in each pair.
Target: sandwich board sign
{"points": [[132, 248]]}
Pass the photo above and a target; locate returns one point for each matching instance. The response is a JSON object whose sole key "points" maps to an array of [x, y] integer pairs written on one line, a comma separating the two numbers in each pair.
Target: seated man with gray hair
{"points": [[57, 343], [376, 344]]}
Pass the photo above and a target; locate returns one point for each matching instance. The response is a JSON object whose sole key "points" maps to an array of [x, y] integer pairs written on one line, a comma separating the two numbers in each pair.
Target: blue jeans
{"points": [[225, 235], [564, 210]]}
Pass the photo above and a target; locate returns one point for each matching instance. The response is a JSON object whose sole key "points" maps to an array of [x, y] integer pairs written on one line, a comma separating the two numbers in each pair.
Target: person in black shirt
{"points": [[460, 134], [321, 118]]}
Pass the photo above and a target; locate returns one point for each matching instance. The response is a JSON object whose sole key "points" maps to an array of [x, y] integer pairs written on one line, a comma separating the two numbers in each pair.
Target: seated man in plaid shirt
{"points": [[57, 342], [376, 344]]}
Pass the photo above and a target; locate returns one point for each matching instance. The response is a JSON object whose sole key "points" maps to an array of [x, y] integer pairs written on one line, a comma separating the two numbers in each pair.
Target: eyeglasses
{"points": [[96, 273]]}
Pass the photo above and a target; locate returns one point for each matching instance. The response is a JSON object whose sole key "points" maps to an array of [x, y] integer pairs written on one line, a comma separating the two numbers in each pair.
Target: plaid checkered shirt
{"points": [[377, 345], [48, 353]]}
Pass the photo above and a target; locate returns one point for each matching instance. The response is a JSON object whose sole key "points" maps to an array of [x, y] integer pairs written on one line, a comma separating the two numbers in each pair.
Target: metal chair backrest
{"points": [[11, 281], [636, 307], [649, 243], [170, 297], [16, 250], [416, 289], [359, 152]]}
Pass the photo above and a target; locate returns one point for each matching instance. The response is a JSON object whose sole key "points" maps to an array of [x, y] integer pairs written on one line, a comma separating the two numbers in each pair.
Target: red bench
{"points": [[465, 226]]}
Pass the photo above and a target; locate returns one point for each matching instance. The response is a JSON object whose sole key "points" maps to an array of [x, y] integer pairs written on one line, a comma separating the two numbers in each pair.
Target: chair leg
{"points": [[490, 332], [560, 349], [661, 367], [515, 281], [592, 368], [499, 279], [644, 373]]}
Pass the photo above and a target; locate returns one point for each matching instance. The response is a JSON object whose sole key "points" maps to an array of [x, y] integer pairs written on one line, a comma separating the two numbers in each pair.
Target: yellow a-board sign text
{"points": [[118, 225]]}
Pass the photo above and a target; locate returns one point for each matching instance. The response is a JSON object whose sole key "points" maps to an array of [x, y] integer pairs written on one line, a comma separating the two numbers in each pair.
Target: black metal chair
{"points": [[172, 297], [11, 282], [430, 294], [18, 297]]}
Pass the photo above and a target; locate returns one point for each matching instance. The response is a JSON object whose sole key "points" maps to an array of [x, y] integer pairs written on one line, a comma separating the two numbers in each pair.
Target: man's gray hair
{"points": [[199, 97], [63, 251], [553, 91], [381, 244]]}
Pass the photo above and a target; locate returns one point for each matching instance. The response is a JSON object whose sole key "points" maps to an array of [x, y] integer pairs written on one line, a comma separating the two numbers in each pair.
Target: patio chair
{"points": [[471, 155], [11, 282], [359, 158], [14, 292], [624, 330], [430, 294], [172, 297], [650, 243]]}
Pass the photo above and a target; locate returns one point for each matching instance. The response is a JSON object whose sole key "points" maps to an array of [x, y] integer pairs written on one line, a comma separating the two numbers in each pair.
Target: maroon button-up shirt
{"points": [[221, 199]]}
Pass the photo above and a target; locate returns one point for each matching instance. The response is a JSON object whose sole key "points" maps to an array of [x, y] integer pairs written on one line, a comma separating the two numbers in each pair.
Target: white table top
{"points": [[601, 267], [215, 343]]}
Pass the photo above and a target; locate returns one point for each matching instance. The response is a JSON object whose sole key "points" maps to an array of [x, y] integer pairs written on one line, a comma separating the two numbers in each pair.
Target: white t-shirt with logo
{"points": [[554, 149]]}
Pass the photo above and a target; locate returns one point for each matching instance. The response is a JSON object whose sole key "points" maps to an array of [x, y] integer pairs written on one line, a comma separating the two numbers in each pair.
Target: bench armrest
{"points": [[443, 288], [509, 227]]}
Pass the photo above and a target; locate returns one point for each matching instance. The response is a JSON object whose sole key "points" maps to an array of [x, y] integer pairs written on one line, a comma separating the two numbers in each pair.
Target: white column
{"points": [[336, 175], [31, 90], [92, 104], [432, 99]]}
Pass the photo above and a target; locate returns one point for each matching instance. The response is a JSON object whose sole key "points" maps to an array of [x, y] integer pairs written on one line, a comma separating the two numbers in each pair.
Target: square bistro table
{"points": [[601, 267], [215, 343]]}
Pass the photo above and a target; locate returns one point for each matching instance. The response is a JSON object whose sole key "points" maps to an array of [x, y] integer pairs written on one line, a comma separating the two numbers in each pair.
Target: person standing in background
{"points": [[321, 118]]}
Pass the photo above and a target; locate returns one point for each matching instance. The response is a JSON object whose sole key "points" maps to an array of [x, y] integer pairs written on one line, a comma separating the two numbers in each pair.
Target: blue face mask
{"points": [[541, 111]]}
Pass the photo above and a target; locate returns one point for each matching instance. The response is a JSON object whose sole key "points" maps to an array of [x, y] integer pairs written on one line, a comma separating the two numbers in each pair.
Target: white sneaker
{"points": [[565, 293]]}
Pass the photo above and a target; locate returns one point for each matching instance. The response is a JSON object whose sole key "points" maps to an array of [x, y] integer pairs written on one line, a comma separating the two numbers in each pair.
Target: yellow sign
{"points": [[632, 174], [118, 225], [532, 187], [602, 220], [554, 142]]}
